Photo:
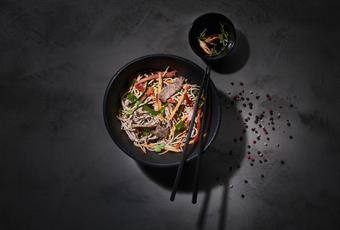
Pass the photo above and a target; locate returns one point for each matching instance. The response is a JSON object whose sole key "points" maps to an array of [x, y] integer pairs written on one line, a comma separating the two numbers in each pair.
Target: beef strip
{"points": [[161, 132], [171, 89]]}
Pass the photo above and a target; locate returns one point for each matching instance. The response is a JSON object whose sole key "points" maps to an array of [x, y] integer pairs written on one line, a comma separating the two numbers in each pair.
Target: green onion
{"points": [[159, 148], [131, 97], [202, 34], [135, 107], [146, 131], [180, 126], [162, 110], [136, 100], [148, 109]]}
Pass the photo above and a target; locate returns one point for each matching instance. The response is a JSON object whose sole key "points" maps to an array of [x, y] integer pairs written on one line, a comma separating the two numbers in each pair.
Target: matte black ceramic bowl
{"points": [[120, 83], [211, 22]]}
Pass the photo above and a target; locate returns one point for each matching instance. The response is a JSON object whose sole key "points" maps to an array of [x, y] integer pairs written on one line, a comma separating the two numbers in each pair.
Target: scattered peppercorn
{"points": [[269, 97]]}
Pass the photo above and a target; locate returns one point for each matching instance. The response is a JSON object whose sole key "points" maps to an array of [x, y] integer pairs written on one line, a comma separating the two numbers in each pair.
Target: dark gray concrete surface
{"points": [[59, 169]]}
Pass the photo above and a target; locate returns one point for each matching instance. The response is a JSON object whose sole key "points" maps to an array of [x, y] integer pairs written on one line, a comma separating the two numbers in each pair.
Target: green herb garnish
{"points": [[162, 110], [131, 97], [159, 148], [179, 126], [148, 109], [135, 107], [202, 34], [146, 131], [214, 44]]}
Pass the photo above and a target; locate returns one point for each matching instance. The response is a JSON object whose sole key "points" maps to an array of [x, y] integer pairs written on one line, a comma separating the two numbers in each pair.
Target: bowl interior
{"points": [[120, 83], [211, 22]]}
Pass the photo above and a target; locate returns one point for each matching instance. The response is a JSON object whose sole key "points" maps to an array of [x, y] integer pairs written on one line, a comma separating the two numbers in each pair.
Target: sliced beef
{"points": [[161, 132], [171, 89]]}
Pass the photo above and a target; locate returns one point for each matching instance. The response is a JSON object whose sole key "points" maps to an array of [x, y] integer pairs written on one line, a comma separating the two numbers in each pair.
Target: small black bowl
{"points": [[120, 83], [211, 22]]}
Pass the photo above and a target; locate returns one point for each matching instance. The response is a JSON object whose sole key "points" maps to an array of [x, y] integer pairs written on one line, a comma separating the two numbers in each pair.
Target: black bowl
{"points": [[120, 83], [211, 22]]}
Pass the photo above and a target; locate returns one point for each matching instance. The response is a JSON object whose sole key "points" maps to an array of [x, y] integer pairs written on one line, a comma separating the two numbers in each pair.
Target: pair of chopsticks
{"points": [[203, 91]]}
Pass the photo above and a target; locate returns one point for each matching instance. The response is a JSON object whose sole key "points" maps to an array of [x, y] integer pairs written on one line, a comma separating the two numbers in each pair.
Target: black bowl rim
{"points": [[146, 162], [220, 56]]}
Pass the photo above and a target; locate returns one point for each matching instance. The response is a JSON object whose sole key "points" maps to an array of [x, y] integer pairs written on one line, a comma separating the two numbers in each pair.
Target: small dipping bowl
{"points": [[211, 22]]}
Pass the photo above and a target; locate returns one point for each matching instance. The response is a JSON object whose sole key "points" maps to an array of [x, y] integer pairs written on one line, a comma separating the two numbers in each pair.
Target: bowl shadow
{"points": [[218, 163], [237, 57]]}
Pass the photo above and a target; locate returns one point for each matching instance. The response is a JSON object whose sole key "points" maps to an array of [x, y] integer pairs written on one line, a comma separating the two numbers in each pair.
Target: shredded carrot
{"points": [[178, 103], [150, 91], [160, 83], [155, 76], [159, 105]]}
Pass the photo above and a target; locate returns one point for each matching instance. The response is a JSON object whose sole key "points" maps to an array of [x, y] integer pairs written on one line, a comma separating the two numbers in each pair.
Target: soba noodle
{"points": [[150, 118]]}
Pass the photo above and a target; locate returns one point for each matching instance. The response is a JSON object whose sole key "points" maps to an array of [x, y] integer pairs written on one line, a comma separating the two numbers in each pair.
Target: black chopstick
{"points": [[201, 143], [191, 126]]}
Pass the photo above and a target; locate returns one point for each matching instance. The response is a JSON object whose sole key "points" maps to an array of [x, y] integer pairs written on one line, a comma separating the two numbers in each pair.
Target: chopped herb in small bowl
{"points": [[213, 44], [212, 37]]}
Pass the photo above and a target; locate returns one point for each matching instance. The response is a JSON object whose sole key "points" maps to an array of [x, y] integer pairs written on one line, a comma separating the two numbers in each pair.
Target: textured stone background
{"points": [[59, 169]]}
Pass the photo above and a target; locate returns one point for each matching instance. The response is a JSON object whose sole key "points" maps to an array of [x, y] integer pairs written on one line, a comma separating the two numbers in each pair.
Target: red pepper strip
{"points": [[140, 87], [171, 100], [150, 91], [189, 102], [198, 126]]}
